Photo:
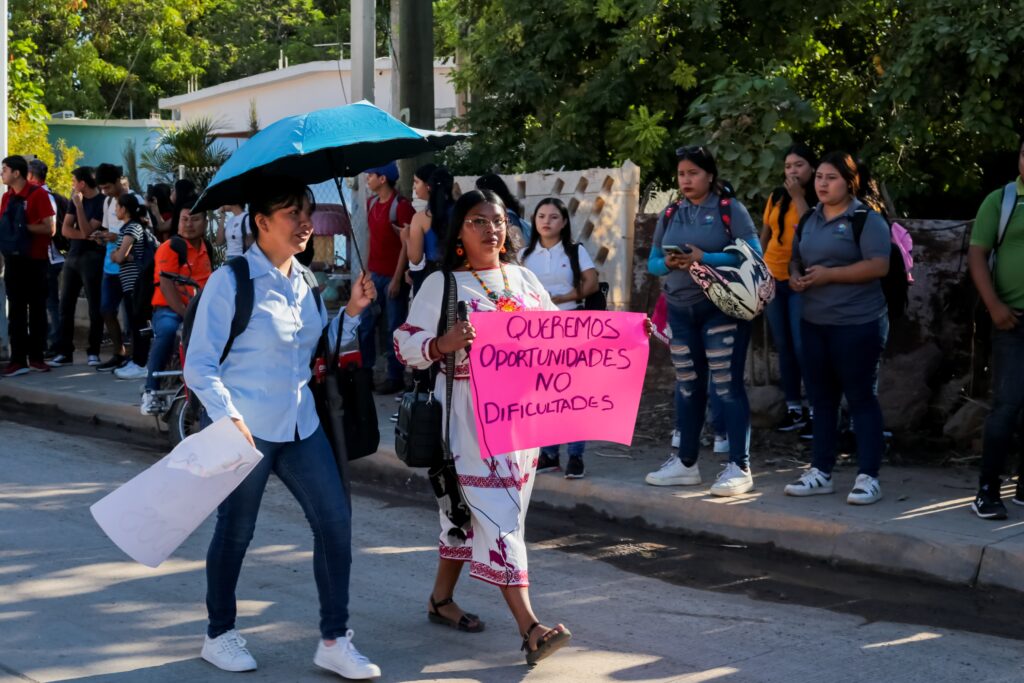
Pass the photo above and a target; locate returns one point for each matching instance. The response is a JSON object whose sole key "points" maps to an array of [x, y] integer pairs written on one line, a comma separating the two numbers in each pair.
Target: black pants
{"points": [[81, 271], [26, 304], [138, 318]]}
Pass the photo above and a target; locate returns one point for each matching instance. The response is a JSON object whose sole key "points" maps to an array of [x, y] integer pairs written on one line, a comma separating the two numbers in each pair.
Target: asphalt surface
{"points": [[643, 606]]}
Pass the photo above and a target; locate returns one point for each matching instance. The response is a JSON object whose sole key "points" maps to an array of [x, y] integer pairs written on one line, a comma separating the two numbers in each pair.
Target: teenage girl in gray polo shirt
{"points": [[845, 325], [705, 341]]}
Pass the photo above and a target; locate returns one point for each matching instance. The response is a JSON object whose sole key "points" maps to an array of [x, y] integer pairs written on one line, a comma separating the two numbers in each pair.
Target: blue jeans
{"points": [[843, 360], [1007, 404], [165, 334], [783, 316], [111, 294], [396, 309], [709, 352], [307, 468], [575, 449]]}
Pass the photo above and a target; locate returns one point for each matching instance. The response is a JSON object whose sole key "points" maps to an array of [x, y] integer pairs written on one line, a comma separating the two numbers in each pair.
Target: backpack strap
{"points": [[1006, 209], [180, 247], [860, 217], [574, 263], [245, 294], [393, 210], [725, 213]]}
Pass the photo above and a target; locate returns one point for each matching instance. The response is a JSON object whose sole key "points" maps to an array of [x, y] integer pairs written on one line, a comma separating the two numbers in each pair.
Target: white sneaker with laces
{"points": [[150, 404], [131, 371], [676, 436], [813, 482], [732, 481], [59, 361], [866, 490], [94, 361], [674, 473], [721, 444], [227, 652], [345, 660]]}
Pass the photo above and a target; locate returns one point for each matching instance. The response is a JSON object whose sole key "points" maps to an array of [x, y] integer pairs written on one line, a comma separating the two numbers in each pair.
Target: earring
{"points": [[459, 250], [503, 249]]}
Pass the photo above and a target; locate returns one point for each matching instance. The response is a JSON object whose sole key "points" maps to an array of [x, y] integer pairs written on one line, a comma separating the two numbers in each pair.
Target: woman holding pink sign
{"points": [[480, 256]]}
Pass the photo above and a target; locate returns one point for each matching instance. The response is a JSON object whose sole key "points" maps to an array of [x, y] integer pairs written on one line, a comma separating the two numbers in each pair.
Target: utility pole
{"points": [[394, 47], [416, 73], [364, 43], [3, 78]]}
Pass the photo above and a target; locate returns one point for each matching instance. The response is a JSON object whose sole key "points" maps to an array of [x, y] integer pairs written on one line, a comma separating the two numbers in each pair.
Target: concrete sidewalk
{"points": [[922, 527]]}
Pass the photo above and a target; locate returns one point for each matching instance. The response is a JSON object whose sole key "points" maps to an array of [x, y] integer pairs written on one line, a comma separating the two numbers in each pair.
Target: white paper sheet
{"points": [[151, 515]]}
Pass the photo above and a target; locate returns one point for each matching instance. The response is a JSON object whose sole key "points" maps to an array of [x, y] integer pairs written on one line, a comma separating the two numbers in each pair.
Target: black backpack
{"points": [[895, 284], [598, 301], [15, 239], [145, 261], [61, 243]]}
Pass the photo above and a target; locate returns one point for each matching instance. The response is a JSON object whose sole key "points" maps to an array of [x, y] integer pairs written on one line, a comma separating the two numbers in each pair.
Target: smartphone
{"points": [[673, 249]]}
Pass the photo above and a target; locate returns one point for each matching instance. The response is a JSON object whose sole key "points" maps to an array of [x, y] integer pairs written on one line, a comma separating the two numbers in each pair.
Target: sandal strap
{"points": [[443, 603], [526, 636]]}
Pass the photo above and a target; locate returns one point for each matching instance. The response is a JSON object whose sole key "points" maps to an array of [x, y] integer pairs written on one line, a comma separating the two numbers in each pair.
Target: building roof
{"points": [[111, 123], [269, 77]]}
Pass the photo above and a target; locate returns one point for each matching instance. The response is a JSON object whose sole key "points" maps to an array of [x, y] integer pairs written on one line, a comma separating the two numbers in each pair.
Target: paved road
{"points": [[72, 607]]}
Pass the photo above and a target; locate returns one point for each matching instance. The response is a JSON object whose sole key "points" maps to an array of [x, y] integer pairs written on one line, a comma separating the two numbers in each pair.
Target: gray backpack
{"points": [[1006, 209]]}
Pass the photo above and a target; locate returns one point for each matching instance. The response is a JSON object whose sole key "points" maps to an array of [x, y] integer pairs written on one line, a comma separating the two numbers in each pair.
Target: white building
{"points": [[299, 89]]}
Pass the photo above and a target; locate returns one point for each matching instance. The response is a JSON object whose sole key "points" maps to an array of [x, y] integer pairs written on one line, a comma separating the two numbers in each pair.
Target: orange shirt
{"points": [[776, 254], [197, 266]]}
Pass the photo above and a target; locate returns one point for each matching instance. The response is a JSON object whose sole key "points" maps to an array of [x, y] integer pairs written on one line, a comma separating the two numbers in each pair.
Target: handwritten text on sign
{"points": [[542, 378]]}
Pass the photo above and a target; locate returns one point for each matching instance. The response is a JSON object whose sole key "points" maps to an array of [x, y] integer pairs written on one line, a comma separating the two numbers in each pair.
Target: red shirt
{"points": [[385, 244], [37, 209]]}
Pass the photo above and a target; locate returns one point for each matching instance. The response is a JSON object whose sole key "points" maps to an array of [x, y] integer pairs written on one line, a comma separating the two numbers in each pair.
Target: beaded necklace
{"points": [[507, 293]]}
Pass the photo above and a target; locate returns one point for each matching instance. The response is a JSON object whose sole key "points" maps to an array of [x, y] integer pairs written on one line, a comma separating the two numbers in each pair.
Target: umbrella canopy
{"points": [[319, 146]]}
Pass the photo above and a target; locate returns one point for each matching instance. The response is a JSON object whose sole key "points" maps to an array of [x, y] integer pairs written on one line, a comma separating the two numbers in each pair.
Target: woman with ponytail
{"points": [[786, 206]]}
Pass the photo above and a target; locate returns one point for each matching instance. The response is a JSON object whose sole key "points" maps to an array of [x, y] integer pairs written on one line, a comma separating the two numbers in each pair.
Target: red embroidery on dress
{"points": [[398, 353], [499, 577], [411, 329], [464, 552]]}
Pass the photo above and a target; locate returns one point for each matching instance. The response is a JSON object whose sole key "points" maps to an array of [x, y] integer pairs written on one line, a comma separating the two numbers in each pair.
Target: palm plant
{"points": [[188, 145]]}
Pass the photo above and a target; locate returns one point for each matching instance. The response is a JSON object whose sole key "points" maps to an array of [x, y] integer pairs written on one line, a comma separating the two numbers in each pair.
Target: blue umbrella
{"points": [[321, 145]]}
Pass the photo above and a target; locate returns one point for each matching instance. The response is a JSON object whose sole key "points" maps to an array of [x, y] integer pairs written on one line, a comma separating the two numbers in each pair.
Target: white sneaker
{"points": [[344, 659], [676, 437], [866, 490], [131, 371], [94, 361], [227, 652], [813, 482], [732, 481], [721, 444], [151, 404], [674, 473], [59, 361]]}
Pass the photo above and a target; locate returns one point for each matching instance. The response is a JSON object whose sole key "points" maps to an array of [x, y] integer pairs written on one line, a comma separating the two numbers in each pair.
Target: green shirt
{"points": [[1009, 275]]}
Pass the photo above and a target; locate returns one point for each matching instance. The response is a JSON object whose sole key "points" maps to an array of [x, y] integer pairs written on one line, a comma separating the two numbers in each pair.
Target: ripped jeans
{"points": [[705, 340]]}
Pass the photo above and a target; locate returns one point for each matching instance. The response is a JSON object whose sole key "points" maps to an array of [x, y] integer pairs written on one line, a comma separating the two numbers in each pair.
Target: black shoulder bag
{"points": [[419, 441]]}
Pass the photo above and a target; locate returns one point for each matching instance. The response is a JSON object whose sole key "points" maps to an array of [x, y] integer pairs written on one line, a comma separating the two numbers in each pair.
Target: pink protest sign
{"points": [[550, 377]]}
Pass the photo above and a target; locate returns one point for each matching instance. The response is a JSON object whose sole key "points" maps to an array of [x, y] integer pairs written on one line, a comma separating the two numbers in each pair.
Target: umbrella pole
{"points": [[351, 231]]}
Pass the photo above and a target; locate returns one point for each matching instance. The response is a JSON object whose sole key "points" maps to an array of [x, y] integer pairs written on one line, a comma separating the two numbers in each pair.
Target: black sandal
{"points": [[465, 622], [552, 641]]}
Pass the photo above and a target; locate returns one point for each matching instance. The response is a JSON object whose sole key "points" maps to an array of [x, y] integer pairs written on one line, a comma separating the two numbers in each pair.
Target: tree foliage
{"points": [[925, 90]]}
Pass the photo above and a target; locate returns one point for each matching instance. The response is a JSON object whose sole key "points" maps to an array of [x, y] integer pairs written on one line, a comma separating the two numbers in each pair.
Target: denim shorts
{"points": [[111, 294]]}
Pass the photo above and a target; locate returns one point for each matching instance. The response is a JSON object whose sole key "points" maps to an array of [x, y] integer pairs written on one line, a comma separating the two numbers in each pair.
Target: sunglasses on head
{"points": [[692, 150]]}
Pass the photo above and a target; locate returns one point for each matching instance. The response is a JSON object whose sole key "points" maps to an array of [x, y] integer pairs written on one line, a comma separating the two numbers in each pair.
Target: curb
{"points": [[944, 557]]}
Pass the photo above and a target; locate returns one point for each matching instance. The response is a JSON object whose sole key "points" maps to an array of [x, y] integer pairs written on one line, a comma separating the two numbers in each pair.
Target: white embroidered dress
{"points": [[496, 489]]}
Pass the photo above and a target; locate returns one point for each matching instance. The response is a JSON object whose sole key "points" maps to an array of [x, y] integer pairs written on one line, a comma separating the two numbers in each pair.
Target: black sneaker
{"points": [[807, 430], [545, 463], [114, 363], [793, 421], [574, 468], [1018, 495], [988, 504]]}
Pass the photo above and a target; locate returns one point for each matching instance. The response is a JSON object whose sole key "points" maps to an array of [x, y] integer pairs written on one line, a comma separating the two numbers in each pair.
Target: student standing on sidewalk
{"points": [[845, 324], [429, 229], [234, 231], [708, 347], [27, 207], [83, 268], [996, 262], [497, 490], [262, 385], [786, 206], [37, 172], [183, 254], [547, 257], [387, 213], [128, 255]]}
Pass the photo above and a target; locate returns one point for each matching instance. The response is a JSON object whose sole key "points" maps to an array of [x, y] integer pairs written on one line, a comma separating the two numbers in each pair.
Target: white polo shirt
{"points": [[552, 268]]}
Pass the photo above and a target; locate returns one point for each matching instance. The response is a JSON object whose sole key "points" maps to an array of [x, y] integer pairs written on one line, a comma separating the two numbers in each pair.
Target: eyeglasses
{"points": [[694, 150], [481, 224]]}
